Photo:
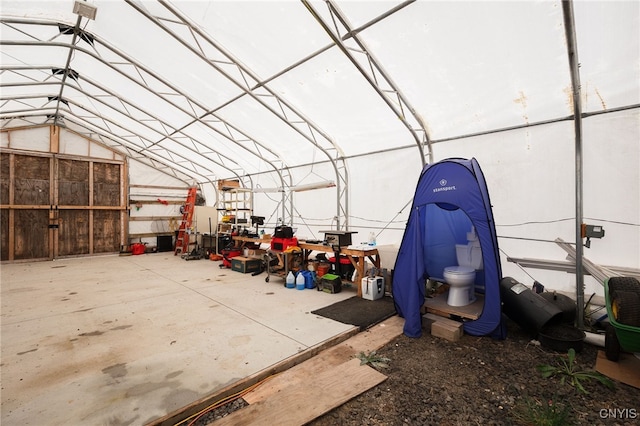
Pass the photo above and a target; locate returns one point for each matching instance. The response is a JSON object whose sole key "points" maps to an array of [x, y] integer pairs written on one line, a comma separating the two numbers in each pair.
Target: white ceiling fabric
{"points": [[466, 67], [259, 90]]}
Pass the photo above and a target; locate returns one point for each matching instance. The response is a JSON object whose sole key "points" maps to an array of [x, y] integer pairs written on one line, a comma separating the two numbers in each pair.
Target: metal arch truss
{"points": [[351, 44], [161, 165], [96, 126], [152, 148], [251, 85]]}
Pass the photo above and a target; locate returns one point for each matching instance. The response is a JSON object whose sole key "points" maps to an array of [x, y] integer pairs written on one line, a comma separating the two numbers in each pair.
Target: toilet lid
{"points": [[458, 270]]}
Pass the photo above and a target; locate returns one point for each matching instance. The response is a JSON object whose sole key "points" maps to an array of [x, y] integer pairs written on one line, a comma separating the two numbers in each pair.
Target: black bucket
{"points": [[561, 337], [527, 309]]}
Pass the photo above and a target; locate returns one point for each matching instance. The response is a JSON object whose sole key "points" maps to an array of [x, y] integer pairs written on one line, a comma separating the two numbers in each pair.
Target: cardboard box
{"points": [[224, 227], [224, 184], [245, 264], [257, 253]]}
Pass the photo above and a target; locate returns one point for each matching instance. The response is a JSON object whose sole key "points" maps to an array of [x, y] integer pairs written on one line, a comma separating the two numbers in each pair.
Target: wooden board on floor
{"points": [[366, 341], [626, 370], [438, 305], [178, 416], [303, 402]]}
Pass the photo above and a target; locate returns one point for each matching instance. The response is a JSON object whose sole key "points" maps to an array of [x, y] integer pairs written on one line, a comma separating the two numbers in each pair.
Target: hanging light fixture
{"points": [[299, 188], [278, 189], [84, 9], [310, 186]]}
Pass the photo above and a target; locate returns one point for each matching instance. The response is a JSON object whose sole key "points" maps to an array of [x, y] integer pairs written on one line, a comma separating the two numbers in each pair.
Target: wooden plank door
{"points": [[72, 202], [30, 196], [107, 207], [55, 206]]}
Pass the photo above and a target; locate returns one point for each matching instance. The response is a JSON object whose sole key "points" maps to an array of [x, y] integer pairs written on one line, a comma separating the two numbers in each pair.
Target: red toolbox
{"points": [[281, 244]]}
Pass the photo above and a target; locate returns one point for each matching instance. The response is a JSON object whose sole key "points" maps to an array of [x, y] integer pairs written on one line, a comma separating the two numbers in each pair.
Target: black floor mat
{"points": [[358, 311]]}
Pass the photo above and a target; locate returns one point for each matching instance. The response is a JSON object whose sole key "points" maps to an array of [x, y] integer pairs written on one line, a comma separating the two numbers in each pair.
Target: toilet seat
{"points": [[459, 270]]}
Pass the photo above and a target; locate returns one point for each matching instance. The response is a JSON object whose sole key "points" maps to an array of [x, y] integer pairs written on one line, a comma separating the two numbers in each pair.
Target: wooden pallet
{"points": [[438, 305]]}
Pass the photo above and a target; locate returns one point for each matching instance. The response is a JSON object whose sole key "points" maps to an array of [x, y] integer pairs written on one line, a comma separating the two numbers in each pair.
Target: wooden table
{"points": [[357, 257], [285, 258], [242, 241]]}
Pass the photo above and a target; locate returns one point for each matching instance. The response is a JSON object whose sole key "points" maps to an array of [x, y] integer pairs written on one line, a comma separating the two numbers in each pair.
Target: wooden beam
{"points": [[48, 206], [91, 216], [53, 200], [152, 218], [175, 202], [12, 221], [177, 188], [54, 139]]}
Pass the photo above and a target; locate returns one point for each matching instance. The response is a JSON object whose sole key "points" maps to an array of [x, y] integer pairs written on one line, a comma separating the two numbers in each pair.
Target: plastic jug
{"points": [[290, 280], [310, 279], [300, 281]]}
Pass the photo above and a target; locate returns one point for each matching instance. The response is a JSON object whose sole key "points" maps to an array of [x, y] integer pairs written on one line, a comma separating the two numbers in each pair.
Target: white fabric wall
{"points": [[530, 173]]}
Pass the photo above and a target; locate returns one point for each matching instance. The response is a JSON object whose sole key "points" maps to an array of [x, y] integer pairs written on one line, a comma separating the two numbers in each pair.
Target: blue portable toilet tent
{"points": [[451, 197]]}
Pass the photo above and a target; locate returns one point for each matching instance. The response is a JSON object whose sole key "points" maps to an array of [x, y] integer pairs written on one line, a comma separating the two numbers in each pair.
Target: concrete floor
{"points": [[123, 340]]}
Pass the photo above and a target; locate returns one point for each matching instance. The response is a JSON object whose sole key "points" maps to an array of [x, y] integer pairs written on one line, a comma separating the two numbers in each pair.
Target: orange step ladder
{"points": [[182, 242]]}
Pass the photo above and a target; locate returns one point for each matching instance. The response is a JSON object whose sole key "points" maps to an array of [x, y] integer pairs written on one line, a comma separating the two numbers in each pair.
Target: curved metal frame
{"points": [[287, 113], [399, 104]]}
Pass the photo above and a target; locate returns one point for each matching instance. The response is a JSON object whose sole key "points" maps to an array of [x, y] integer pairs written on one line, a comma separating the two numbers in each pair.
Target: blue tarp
{"points": [[450, 198]]}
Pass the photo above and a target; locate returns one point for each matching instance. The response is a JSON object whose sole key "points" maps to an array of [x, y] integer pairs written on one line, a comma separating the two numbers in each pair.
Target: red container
{"points": [[281, 244], [346, 267], [137, 248], [323, 268], [227, 255], [343, 260]]}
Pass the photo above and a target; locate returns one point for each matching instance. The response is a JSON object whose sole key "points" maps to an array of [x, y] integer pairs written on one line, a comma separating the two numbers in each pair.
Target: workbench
{"points": [[285, 258], [357, 257], [240, 242]]}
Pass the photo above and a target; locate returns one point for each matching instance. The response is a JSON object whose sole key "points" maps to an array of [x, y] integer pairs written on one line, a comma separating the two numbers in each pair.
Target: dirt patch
{"points": [[478, 380]]}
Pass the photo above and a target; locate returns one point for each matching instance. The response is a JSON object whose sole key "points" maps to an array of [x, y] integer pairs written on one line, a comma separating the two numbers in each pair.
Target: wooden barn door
{"points": [[56, 207], [26, 191], [71, 213], [88, 207], [108, 207]]}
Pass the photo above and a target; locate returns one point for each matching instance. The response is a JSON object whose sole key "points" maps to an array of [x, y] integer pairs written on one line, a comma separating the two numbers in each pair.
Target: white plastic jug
{"points": [[300, 281], [291, 280]]}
